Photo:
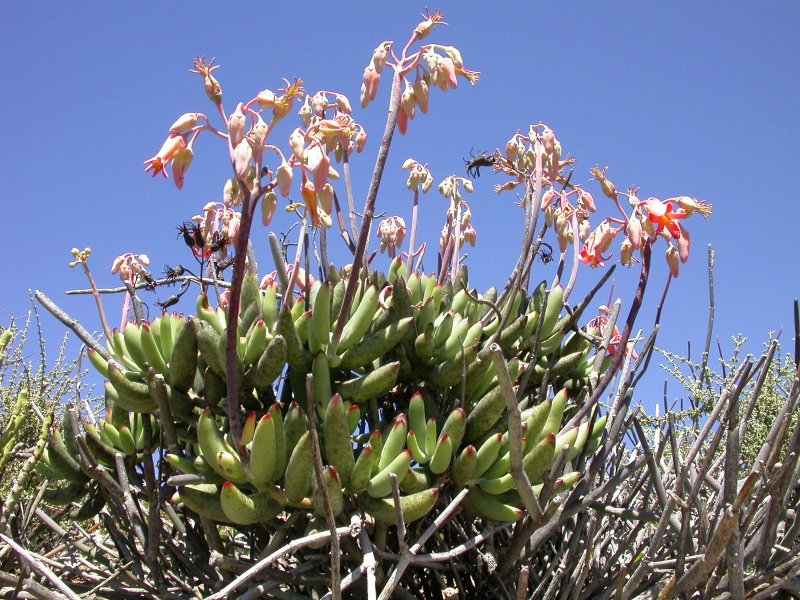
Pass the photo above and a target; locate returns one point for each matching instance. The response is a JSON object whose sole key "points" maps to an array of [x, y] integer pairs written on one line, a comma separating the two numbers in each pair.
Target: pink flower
{"points": [[586, 201], [169, 150]]}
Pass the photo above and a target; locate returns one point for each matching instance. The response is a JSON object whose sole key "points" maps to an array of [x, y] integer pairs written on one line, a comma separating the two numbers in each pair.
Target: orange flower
{"points": [[169, 150], [663, 215], [309, 194]]}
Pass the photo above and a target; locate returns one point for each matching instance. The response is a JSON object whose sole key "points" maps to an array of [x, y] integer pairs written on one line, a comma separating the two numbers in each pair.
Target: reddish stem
{"points": [[231, 356]]}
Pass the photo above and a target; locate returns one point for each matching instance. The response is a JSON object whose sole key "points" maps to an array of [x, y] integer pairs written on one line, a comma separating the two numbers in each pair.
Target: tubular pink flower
{"points": [[422, 94], [586, 201], [180, 165], [370, 86], [547, 198], [633, 229], [242, 157], [185, 122], [237, 124], [169, 149], [684, 245], [284, 175]]}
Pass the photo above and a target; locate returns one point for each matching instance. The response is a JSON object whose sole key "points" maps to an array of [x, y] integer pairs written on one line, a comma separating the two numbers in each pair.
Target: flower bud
{"points": [[605, 235], [455, 56], [633, 229], [609, 189], [305, 113], [237, 125], [684, 245], [548, 139], [402, 121], [117, 264], [422, 94], [550, 216], [468, 185], [259, 133], [269, 205], [586, 201], [266, 99], [230, 192], [242, 157], [185, 122], [673, 261], [649, 228], [180, 165], [626, 253], [427, 182], [584, 229], [322, 171], [342, 104], [563, 232], [284, 175], [379, 56], [326, 197], [369, 89], [469, 235], [319, 103], [407, 100], [424, 29], [547, 198], [512, 149], [213, 89], [309, 194], [361, 141], [449, 72], [466, 214], [297, 143], [556, 155], [446, 187]]}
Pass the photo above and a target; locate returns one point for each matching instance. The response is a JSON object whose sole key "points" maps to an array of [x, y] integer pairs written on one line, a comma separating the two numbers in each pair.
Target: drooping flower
{"points": [[309, 194], [673, 261], [169, 150], [593, 257], [391, 232]]}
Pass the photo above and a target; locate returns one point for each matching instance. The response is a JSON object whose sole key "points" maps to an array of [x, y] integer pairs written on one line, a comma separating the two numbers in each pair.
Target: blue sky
{"points": [[677, 98]]}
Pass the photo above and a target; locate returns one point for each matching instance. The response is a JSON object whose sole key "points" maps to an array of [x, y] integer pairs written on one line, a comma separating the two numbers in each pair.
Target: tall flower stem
{"points": [[231, 356], [369, 209], [413, 238]]}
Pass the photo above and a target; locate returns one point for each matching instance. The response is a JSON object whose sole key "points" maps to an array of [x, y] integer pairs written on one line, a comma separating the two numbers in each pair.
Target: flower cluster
{"points": [[433, 65], [391, 232], [567, 207], [419, 177], [131, 267], [80, 256], [218, 228]]}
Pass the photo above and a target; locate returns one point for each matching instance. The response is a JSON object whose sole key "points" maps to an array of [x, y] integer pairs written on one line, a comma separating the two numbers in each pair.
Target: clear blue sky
{"points": [[678, 98]]}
